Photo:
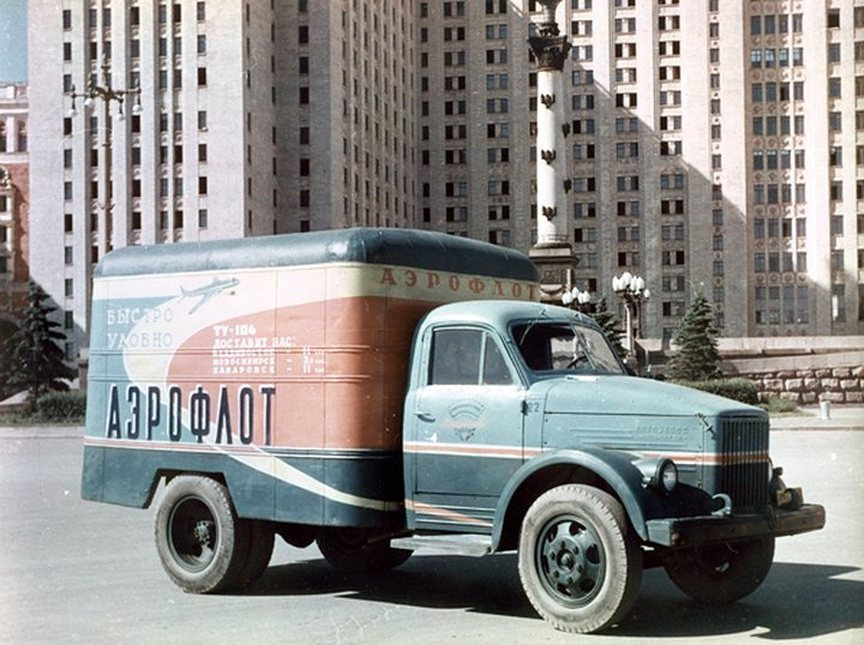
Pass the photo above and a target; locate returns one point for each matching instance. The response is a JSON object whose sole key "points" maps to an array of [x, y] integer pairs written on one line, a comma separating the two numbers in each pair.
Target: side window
{"points": [[466, 357], [456, 357], [495, 370]]}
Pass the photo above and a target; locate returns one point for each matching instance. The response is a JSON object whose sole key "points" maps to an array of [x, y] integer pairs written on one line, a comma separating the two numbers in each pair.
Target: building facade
{"points": [[710, 145], [191, 148], [707, 145], [14, 206]]}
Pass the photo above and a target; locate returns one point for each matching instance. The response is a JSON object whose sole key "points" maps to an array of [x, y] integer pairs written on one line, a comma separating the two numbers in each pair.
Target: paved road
{"points": [[74, 571]]}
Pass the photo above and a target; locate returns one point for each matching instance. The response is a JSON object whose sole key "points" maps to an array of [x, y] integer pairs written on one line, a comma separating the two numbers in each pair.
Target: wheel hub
{"points": [[202, 532], [570, 559]]}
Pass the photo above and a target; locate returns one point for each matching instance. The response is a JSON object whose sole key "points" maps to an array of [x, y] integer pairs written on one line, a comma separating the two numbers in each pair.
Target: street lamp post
{"points": [[105, 93], [631, 289], [576, 298]]}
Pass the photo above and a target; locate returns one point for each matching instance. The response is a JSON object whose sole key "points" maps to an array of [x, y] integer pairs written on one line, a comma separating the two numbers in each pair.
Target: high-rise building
{"points": [[14, 206], [710, 145], [688, 124], [183, 92], [347, 113]]}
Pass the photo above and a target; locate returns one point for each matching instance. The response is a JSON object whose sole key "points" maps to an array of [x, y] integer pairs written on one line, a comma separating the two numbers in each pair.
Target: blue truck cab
{"points": [[523, 426]]}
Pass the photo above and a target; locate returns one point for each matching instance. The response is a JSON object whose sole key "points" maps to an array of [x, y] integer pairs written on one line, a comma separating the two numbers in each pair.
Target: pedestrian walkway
{"points": [[841, 417], [41, 432]]}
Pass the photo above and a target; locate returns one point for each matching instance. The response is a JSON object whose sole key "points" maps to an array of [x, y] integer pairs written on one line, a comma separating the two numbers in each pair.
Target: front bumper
{"points": [[683, 532]]}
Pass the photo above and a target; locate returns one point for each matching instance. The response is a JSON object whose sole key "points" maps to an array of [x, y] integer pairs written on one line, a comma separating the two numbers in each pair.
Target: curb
{"points": [[41, 432]]}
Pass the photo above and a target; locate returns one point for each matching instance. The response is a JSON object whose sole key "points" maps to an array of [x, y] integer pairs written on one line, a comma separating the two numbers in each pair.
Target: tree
{"points": [[696, 338], [611, 326], [35, 361]]}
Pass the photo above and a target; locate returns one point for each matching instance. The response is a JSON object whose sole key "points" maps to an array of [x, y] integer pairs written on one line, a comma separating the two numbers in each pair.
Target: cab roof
{"points": [[501, 313]]}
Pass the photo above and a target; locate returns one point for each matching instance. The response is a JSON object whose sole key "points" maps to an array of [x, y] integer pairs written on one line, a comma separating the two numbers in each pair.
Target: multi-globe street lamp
{"points": [[576, 298], [107, 94], [631, 289]]}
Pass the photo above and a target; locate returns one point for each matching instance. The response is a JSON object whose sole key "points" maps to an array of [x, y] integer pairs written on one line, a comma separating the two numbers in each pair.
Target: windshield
{"points": [[561, 346]]}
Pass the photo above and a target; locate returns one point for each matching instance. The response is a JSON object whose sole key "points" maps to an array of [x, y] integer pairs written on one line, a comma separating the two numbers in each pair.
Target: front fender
{"points": [[616, 469]]}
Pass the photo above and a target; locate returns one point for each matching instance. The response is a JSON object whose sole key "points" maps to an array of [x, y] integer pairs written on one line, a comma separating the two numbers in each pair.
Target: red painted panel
{"points": [[338, 366]]}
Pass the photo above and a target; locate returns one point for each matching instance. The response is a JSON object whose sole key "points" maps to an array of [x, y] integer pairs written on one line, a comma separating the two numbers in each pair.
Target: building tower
{"points": [[712, 145], [195, 163]]}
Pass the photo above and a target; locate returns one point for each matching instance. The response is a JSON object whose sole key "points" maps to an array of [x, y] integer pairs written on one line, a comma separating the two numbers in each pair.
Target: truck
{"points": [[377, 391]]}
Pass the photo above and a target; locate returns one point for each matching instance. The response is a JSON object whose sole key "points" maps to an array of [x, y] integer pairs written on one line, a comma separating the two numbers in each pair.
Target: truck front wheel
{"points": [[579, 561], [202, 544], [352, 551], [721, 573]]}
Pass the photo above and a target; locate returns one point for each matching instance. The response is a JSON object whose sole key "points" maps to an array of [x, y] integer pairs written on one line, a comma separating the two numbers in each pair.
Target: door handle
{"points": [[424, 416]]}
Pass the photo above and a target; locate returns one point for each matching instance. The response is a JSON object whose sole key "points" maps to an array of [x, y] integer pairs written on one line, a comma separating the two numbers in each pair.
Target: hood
{"points": [[629, 395]]}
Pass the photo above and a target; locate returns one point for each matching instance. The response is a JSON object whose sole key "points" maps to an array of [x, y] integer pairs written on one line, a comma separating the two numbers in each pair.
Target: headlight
{"points": [[661, 474], [667, 474]]}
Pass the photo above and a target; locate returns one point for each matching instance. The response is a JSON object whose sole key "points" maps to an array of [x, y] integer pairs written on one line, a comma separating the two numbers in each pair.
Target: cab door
{"points": [[467, 437]]}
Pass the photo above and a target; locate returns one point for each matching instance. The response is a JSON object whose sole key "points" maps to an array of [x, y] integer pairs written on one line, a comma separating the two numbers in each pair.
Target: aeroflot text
{"points": [[149, 414]]}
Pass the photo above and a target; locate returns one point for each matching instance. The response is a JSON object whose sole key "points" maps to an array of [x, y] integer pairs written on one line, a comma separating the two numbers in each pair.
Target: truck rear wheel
{"points": [[350, 550], [579, 562], [202, 544], [722, 573], [261, 537]]}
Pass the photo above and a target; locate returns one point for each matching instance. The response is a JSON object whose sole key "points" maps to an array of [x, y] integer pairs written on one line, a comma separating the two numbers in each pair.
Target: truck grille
{"points": [[744, 466]]}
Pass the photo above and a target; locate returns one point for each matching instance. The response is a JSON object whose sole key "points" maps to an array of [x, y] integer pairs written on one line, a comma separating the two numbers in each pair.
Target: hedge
{"points": [[62, 407], [738, 389]]}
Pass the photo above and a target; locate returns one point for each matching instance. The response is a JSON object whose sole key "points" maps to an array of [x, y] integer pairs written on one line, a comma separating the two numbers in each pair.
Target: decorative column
{"points": [[550, 50], [552, 252]]}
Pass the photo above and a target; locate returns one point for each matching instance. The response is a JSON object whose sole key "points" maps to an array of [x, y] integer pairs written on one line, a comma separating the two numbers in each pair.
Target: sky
{"points": [[13, 41]]}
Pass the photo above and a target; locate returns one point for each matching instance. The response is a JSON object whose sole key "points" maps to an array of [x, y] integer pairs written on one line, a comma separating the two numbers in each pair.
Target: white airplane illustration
{"points": [[208, 291]]}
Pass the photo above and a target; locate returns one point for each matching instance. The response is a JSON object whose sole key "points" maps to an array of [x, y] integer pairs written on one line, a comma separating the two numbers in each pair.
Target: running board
{"points": [[469, 544]]}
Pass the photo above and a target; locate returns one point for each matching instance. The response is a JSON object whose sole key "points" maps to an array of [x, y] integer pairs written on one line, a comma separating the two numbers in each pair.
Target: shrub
{"points": [[62, 407], [778, 405], [738, 389]]}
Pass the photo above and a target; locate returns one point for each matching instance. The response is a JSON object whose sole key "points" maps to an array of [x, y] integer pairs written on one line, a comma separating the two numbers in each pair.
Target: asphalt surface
{"points": [[75, 571]]}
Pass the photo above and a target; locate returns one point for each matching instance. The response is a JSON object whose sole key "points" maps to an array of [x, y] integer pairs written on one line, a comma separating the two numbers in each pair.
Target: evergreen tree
{"points": [[6, 388], [611, 326], [696, 338], [35, 361]]}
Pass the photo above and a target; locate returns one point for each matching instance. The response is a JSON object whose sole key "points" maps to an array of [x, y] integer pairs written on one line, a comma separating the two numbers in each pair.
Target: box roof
{"points": [[387, 246]]}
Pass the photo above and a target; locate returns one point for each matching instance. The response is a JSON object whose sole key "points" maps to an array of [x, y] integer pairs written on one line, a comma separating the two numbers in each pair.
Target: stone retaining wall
{"points": [[838, 384], [802, 369]]}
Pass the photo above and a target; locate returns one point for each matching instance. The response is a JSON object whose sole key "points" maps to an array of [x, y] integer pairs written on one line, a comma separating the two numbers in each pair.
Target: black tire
{"points": [[349, 550], [201, 543], [722, 573], [579, 561], [260, 550]]}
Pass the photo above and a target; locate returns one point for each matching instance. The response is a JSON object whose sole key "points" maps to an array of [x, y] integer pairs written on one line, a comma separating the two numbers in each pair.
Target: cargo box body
{"points": [[277, 363]]}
